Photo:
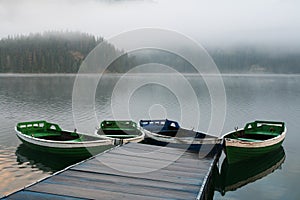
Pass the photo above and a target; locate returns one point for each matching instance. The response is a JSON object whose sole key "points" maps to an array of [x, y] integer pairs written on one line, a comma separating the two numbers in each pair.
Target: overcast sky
{"points": [[218, 21]]}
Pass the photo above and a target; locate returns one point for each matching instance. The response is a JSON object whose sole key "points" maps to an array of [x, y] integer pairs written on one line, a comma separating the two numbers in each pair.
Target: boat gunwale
{"points": [[138, 138], [63, 144], [183, 140], [129, 125]]}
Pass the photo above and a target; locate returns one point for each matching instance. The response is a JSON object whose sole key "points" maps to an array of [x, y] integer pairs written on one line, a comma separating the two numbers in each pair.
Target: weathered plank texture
{"points": [[133, 171]]}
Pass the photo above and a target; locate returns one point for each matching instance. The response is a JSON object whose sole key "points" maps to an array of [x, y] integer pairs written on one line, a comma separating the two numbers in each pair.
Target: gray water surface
{"points": [[26, 98]]}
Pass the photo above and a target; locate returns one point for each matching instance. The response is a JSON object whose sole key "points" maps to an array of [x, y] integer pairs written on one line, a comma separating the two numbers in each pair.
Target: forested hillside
{"points": [[63, 52], [50, 52]]}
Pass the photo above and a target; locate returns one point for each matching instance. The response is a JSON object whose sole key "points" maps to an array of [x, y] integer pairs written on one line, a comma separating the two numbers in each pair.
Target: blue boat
{"points": [[169, 133], [164, 127]]}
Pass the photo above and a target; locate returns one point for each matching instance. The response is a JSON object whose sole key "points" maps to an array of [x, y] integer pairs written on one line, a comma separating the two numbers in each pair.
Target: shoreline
{"points": [[138, 74]]}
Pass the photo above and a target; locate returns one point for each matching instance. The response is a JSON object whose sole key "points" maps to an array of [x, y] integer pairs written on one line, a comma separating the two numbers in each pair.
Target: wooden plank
{"points": [[148, 162], [151, 165], [134, 147], [168, 175], [151, 175], [88, 176], [146, 190], [83, 192], [141, 161], [159, 149], [143, 148], [154, 155], [38, 196], [160, 156], [132, 167]]}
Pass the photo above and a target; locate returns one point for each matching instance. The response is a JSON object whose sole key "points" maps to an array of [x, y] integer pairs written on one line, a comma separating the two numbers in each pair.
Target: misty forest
{"points": [[63, 52]]}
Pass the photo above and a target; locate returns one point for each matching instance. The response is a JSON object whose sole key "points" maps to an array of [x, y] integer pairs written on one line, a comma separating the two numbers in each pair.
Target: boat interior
{"points": [[170, 128], [119, 129], [241, 135], [57, 135], [181, 132], [258, 131], [50, 131], [119, 133]]}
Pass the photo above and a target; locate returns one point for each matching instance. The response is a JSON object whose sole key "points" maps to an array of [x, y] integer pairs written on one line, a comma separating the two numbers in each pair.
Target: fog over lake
{"points": [[210, 22]]}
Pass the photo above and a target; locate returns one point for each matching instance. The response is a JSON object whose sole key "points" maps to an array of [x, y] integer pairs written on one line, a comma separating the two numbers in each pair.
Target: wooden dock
{"points": [[131, 171]]}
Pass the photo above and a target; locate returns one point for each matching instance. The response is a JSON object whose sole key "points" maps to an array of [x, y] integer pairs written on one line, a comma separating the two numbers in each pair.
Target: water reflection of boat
{"points": [[49, 163], [236, 175]]}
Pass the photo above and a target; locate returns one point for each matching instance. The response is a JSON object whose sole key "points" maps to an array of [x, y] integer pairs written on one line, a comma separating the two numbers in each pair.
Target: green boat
{"points": [[255, 139], [50, 138], [236, 175], [120, 131]]}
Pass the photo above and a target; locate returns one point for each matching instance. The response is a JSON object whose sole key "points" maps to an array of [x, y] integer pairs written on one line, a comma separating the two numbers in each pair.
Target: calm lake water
{"points": [[26, 98]]}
